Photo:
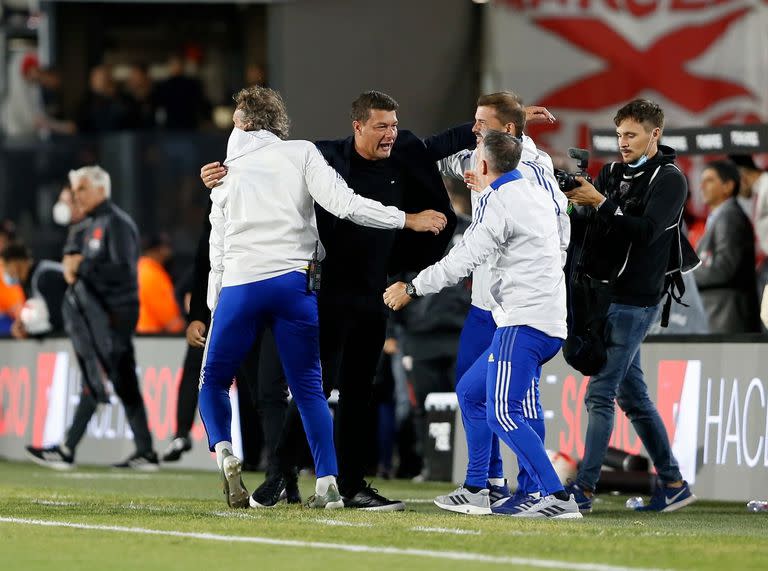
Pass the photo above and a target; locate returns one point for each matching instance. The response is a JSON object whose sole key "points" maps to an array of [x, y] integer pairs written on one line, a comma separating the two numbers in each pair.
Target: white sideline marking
{"points": [[118, 476], [454, 531], [341, 523], [52, 503], [236, 514], [418, 501], [85, 476], [451, 555]]}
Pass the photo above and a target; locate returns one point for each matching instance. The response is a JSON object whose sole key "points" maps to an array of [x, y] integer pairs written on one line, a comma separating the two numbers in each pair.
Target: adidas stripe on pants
{"points": [[516, 356], [471, 370]]}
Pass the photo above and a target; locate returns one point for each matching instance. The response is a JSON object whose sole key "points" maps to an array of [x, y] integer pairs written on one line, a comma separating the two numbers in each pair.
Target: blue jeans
{"points": [[621, 379]]}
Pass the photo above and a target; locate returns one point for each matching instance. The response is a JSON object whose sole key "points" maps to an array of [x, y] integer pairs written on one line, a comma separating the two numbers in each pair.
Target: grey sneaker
{"points": [[234, 489], [465, 502], [329, 501], [547, 507], [141, 461]]}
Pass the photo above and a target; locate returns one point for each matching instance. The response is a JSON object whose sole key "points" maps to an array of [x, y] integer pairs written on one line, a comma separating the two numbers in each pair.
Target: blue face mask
{"points": [[639, 162], [644, 158], [9, 279]]}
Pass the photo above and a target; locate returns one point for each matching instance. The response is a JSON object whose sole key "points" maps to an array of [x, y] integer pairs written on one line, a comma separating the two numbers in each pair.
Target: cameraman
{"points": [[634, 225]]}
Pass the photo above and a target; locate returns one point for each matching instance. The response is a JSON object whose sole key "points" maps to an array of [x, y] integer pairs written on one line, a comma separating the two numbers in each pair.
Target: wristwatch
{"points": [[410, 289]]}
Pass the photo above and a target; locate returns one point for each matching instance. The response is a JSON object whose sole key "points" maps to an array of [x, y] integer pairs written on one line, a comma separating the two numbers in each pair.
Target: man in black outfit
{"points": [[100, 267], [398, 169]]}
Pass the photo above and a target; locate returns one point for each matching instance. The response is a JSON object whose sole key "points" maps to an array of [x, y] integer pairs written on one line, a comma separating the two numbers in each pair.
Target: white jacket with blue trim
{"points": [[536, 167], [263, 217], [516, 223]]}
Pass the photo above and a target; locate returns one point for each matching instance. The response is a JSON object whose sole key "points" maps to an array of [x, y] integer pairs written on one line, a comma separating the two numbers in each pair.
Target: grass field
{"points": [[99, 519]]}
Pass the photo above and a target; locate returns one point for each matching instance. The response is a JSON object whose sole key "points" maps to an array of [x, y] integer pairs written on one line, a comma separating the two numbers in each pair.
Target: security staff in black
{"points": [[103, 281]]}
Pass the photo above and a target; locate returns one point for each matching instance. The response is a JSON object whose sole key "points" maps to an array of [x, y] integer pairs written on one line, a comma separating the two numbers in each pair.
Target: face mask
{"points": [[644, 158], [639, 162], [9, 279], [62, 214]]}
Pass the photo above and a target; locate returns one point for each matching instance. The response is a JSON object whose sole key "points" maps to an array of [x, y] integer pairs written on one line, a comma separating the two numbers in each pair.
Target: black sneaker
{"points": [[271, 491], [51, 457], [369, 499], [176, 448], [143, 462]]}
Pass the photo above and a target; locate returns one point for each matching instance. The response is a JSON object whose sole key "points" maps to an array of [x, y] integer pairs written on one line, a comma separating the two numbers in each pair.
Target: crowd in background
{"points": [[139, 96], [420, 351]]}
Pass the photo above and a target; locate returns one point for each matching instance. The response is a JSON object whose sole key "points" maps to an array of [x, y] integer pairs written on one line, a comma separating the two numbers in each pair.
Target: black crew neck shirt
{"points": [[355, 267]]}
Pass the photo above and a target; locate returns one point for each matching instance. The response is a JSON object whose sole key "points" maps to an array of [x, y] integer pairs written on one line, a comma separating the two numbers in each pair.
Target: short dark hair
{"points": [[369, 100], [508, 107], [744, 162], [263, 108], [643, 111], [726, 171], [502, 151], [15, 251]]}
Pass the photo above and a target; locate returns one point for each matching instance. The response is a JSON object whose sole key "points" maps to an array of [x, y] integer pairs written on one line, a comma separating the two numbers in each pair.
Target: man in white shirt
{"points": [[502, 111], [263, 235], [517, 223]]}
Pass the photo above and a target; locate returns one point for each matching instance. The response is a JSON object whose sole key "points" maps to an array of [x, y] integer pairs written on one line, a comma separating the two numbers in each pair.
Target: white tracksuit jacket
{"points": [[263, 218], [516, 222], [536, 167]]}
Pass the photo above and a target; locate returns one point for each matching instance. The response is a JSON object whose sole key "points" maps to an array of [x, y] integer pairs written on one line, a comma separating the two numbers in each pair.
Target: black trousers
{"points": [[120, 365], [262, 398], [350, 347]]}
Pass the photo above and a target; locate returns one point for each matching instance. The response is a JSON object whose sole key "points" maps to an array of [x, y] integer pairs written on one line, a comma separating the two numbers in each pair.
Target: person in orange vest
{"points": [[158, 310], [11, 294]]}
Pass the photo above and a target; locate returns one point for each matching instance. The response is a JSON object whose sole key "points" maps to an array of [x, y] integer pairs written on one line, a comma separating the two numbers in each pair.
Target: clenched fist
{"points": [[395, 296], [426, 221]]}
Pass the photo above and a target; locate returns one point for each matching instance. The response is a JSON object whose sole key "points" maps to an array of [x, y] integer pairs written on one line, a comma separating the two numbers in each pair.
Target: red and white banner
{"points": [[704, 61]]}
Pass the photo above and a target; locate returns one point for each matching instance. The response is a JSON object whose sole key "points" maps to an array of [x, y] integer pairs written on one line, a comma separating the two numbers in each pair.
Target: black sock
{"points": [[562, 495], [473, 489]]}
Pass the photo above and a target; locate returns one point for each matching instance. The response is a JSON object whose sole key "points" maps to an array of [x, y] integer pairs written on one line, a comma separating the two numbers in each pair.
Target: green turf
{"points": [[707, 535]]}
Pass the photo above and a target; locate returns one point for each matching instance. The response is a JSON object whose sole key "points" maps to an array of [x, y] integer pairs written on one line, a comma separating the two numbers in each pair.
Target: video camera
{"points": [[567, 181]]}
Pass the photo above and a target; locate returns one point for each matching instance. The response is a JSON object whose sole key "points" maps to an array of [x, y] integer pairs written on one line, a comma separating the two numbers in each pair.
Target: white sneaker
{"points": [[465, 502], [234, 490], [331, 500], [546, 507]]}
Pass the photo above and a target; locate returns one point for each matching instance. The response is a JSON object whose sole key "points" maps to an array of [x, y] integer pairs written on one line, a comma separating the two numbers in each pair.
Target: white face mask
{"points": [[62, 214]]}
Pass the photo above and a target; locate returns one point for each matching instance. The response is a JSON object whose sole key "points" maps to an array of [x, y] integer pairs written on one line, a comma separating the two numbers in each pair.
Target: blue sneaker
{"points": [[584, 502], [669, 499], [515, 504], [498, 494]]}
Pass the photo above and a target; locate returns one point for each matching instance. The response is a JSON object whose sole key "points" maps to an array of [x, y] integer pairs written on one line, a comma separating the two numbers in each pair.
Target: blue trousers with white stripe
{"points": [[284, 303], [474, 343], [508, 372]]}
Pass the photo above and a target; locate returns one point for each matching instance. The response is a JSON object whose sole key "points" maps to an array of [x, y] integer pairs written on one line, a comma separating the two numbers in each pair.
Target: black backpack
{"points": [[590, 279]]}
